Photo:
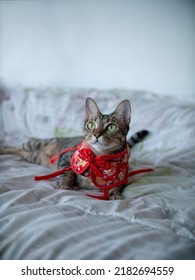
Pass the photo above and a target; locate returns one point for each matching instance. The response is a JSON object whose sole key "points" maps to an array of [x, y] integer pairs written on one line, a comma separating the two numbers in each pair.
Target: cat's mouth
{"points": [[97, 144], [96, 141]]}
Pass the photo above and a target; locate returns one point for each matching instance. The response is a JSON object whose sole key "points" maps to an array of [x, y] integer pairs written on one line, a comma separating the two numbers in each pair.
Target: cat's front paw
{"points": [[63, 187], [116, 193], [116, 196]]}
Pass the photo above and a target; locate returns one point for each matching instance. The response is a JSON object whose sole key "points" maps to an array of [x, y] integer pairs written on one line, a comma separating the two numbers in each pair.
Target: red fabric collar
{"points": [[106, 171]]}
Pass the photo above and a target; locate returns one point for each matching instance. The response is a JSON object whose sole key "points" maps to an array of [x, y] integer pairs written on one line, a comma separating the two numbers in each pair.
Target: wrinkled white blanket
{"points": [[156, 220]]}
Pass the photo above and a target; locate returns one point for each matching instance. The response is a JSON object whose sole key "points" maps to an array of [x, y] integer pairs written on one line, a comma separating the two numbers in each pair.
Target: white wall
{"points": [[139, 44]]}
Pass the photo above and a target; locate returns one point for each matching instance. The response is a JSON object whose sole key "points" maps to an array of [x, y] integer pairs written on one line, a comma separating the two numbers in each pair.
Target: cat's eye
{"points": [[91, 125], [111, 127]]}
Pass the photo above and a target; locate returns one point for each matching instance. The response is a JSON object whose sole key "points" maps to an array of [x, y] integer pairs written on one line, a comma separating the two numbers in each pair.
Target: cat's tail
{"points": [[137, 137]]}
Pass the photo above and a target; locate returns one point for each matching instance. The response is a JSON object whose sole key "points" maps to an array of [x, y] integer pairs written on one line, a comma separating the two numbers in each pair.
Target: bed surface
{"points": [[156, 220]]}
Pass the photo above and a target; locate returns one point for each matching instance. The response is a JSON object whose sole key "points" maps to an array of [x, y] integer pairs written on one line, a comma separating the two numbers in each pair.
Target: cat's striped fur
{"points": [[105, 134]]}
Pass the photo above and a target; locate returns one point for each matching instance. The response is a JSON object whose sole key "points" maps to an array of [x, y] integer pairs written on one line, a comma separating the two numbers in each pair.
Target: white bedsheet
{"points": [[156, 220]]}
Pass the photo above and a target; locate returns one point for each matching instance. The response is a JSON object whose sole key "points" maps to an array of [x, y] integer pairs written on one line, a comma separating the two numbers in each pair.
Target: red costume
{"points": [[106, 171]]}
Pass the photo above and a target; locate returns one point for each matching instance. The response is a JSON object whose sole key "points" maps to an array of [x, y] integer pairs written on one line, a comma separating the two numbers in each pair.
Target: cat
{"points": [[104, 134]]}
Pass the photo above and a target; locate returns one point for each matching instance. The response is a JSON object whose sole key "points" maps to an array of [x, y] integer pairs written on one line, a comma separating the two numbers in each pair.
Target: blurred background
{"points": [[132, 44]]}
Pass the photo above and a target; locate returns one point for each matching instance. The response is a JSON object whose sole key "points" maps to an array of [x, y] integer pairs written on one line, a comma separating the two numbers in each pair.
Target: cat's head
{"points": [[106, 133]]}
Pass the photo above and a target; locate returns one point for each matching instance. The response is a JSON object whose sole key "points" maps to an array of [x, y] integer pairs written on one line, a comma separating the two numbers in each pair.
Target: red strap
{"points": [[52, 175], [105, 195], [135, 172], [58, 172], [55, 157]]}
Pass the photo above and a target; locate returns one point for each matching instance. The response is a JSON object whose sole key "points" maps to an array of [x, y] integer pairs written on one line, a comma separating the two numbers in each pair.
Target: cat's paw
{"points": [[63, 187], [115, 193], [116, 196]]}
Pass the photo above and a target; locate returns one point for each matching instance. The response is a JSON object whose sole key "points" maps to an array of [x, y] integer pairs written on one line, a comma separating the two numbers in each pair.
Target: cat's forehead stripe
{"points": [[104, 118]]}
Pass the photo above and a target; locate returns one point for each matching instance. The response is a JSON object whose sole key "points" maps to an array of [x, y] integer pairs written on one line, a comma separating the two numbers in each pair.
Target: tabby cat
{"points": [[104, 134]]}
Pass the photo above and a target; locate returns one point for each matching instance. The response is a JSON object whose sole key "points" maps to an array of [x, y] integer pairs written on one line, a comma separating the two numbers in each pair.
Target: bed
{"points": [[156, 220]]}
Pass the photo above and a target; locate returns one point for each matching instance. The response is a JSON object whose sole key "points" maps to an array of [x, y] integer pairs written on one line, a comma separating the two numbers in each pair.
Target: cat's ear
{"points": [[91, 108], [123, 111]]}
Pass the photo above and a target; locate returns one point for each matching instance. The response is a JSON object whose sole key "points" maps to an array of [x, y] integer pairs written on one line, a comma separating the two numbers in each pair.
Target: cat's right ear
{"points": [[91, 108]]}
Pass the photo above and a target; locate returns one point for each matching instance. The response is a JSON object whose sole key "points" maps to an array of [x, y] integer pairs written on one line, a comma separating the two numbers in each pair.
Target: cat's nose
{"points": [[97, 135]]}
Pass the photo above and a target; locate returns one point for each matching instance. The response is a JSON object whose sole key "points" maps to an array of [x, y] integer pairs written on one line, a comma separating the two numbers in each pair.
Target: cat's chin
{"points": [[97, 146], [100, 149]]}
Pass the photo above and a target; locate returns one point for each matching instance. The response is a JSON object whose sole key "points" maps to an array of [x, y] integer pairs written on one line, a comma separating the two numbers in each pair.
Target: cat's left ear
{"points": [[123, 111], [91, 108]]}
